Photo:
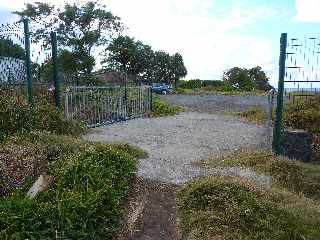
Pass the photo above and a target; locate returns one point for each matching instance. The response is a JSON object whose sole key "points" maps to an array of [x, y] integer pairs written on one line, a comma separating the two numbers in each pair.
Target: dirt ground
{"points": [[152, 212]]}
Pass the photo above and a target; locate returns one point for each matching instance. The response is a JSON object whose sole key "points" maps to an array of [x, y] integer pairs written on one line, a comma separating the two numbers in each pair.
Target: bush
{"points": [[303, 115], [162, 109], [191, 84], [85, 202], [17, 117], [213, 83]]}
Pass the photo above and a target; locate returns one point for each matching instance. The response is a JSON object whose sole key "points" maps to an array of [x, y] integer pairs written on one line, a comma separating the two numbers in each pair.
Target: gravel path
{"points": [[217, 103], [175, 143]]}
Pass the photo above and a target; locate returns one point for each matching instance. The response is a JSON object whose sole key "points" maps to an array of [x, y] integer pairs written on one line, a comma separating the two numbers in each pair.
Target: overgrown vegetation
{"points": [[212, 87], [16, 117], [295, 176], [85, 201], [255, 115], [301, 114], [91, 181], [232, 209], [161, 108]]}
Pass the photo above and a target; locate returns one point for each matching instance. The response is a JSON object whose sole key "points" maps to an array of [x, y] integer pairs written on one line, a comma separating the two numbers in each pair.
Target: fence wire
{"points": [[12, 54], [302, 76]]}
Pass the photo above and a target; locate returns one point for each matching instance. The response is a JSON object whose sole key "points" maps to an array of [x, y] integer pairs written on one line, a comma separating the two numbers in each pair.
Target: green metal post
{"points": [[151, 97], [56, 79], [28, 60], [277, 144]]}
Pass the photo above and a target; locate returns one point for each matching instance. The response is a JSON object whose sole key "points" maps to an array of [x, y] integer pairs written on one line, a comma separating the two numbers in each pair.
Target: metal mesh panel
{"points": [[302, 77], [12, 64]]}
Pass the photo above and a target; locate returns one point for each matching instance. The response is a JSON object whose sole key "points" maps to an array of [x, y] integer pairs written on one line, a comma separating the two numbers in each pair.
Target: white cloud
{"points": [[206, 41], [307, 11], [210, 42]]}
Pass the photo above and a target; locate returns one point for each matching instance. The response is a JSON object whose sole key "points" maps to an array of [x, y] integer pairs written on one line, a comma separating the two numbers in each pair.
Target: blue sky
{"points": [[212, 35]]}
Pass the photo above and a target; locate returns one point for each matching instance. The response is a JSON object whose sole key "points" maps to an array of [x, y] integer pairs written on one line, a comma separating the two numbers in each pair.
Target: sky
{"points": [[211, 35]]}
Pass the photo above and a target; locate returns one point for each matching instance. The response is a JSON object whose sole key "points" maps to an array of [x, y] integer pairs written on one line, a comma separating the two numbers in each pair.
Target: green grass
{"points": [[298, 177], [161, 108], [232, 209], [91, 181], [86, 201]]}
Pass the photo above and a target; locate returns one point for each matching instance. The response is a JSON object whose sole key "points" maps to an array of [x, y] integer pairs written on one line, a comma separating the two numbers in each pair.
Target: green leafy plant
{"points": [[17, 117], [161, 108], [85, 202]]}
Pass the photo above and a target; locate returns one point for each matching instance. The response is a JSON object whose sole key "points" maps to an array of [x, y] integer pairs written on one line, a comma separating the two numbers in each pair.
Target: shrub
{"points": [[162, 109], [17, 117], [85, 202], [191, 84], [213, 83]]}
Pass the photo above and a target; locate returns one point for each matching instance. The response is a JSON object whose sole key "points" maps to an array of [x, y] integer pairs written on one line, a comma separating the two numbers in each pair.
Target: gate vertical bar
{"points": [[56, 80], [28, 60], [277, 144]]}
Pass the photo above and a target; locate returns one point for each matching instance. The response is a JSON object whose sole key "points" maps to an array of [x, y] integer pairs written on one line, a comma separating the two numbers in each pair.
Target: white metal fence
{"points": [[97, 106]]}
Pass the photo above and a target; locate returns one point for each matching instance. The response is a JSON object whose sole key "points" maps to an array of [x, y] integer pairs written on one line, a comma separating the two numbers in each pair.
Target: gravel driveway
{"points": [[175, 143], [217, 103]]}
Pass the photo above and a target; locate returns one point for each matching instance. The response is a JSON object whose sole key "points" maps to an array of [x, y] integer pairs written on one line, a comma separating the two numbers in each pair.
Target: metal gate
{"points": [[96, 106], [299, 64]]}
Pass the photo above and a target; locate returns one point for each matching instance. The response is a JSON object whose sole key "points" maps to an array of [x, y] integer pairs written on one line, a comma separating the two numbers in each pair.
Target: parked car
{"points": [[161, 89]]}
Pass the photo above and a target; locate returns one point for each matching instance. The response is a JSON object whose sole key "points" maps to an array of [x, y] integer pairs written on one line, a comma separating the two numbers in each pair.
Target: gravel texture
{"points": [[175, 143], [217, 103]]}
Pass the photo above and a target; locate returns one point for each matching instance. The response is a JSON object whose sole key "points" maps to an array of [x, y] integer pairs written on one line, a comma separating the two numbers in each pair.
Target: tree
{"points": [[178, 69], [238, 78], [247, 79], [9, 49], [125, 54], [81, 29], [259, 78]]}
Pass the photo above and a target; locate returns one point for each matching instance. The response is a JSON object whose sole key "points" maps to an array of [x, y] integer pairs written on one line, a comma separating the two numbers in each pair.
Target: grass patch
{"points": [[86, 201], [232, 209], [256, 115], [161, 108], [293, 175]]}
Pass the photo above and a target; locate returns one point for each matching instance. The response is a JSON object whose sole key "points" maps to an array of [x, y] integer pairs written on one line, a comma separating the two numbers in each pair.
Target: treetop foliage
{"points": [[247, 79], [9, 49], [134, 57]]}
